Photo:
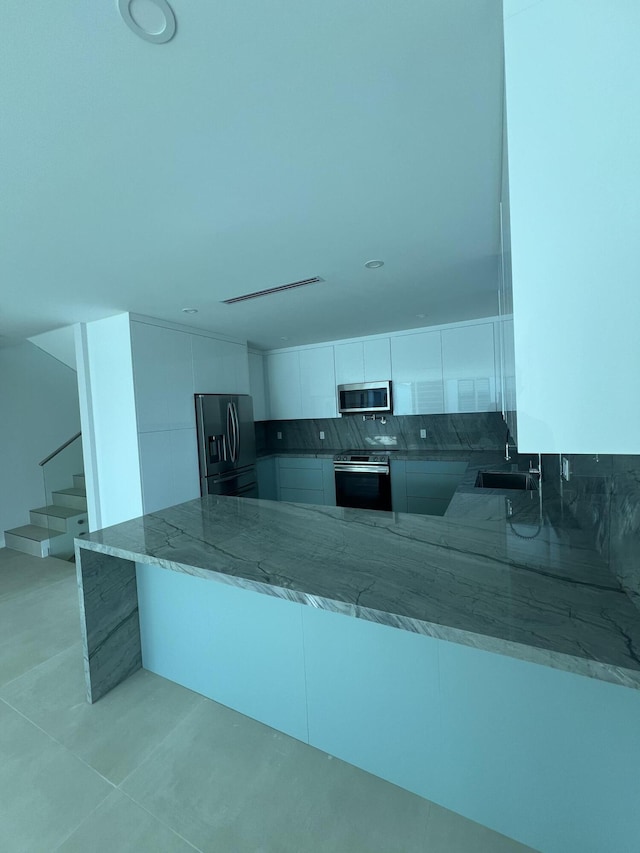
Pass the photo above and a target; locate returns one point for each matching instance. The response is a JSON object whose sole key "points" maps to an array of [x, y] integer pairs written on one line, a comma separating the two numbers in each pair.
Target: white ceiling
{"points": [[269, 141]]}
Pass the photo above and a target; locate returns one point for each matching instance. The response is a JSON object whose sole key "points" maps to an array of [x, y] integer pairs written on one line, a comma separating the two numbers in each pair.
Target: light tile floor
{"points": [[155, 767]]}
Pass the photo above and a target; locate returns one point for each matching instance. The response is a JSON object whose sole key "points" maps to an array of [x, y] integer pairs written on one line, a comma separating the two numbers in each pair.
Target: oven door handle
{"points": [[346, 467]]}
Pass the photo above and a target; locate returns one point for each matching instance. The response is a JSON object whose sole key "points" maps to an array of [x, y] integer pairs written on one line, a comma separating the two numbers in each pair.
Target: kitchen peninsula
{"points": [[411, 646]]}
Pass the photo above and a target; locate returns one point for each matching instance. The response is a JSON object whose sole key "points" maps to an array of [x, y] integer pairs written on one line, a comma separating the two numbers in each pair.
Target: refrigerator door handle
{"points": [[236, 423], [231, 432], [203, 438]]}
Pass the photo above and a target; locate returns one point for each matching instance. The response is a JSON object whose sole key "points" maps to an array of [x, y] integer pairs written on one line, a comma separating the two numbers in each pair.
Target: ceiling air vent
{"points": [[271, 290]]}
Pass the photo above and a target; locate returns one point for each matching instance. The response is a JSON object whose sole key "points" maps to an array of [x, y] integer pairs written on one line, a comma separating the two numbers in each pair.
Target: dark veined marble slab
{"points": [[488, 575]]}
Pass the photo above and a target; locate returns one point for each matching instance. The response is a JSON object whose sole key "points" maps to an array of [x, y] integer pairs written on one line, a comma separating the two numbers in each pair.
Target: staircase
{"points": [[53, 528]]}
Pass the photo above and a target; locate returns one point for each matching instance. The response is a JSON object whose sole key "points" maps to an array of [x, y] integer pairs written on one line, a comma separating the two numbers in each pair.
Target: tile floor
{"points": [[155, 767]]}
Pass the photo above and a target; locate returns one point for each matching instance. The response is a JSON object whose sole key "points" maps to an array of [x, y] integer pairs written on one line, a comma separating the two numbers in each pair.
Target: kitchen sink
{"points": [[521, 480]]}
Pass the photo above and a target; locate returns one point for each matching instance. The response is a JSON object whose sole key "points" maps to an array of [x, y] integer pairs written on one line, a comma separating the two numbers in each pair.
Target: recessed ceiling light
{"points": [[152, 20], [421, 316], [284, 339], [373, 265], [189, 310]]}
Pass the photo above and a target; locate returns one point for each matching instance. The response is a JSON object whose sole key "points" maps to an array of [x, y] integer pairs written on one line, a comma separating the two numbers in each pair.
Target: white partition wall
{"points": [[108, 418]]}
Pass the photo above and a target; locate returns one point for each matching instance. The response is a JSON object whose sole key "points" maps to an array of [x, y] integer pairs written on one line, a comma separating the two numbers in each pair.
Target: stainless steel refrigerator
{"points": [[226, 445]]}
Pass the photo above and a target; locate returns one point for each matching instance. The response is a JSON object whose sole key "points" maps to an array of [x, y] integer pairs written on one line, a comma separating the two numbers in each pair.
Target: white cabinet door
{"points": [[169, 468], [283, 383], [257, 387], [163, 379], [363, 361], [468, 368], [318, 383], [219, 367], [349, 363], [377, 360], [416, 371]]}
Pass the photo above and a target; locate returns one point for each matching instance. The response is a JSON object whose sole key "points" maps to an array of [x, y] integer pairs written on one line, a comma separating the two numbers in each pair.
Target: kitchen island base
{"points": [[544, 756]]}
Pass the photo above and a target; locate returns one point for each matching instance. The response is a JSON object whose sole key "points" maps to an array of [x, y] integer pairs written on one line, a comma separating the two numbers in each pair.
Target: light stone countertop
{"points": [[489, 574]]}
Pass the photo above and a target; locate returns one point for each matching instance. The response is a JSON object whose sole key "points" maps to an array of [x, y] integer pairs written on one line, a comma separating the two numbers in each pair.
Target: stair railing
{"points": [[59, 449], [65, 504]]}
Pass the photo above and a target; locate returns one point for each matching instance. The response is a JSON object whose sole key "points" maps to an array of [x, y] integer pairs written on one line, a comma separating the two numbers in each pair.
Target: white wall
{"points": [[573, 86], [60, 343], [38, 412], [108, 414]]}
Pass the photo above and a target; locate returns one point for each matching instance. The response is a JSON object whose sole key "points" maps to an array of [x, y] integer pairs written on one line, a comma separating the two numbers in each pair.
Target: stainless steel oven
{"points": [[363, 480]]}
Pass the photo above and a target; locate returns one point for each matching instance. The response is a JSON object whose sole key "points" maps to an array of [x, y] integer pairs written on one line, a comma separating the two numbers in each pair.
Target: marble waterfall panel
{"points": [[109, 616]]}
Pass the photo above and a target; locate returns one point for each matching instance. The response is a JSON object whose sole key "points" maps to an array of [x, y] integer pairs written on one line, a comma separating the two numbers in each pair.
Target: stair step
{"points": [[58, 517], [30, 539], [79, 481], [75, 498]]}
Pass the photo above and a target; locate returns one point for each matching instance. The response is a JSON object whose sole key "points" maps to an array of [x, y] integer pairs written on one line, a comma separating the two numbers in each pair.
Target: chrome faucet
{"points": [[537, 470], [507, 455]]}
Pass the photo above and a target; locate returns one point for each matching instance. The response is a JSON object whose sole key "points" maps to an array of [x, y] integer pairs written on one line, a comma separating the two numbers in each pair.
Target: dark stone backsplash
{"points": [[469, 431], [603, 495]]}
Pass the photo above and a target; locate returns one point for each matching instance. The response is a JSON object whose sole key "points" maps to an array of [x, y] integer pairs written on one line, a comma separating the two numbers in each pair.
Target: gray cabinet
{"points": [[424, 488], [267, 479], [305, 480]]}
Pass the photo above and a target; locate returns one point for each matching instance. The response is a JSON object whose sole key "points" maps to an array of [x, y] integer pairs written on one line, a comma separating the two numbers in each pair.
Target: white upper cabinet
{"points": [[377, 360], [318, 383], [349, 363], [219, 367], [170, 365], [416, 371], [572, 73], [163, 377], [257, 386], [468, 369], [283, 384], [301, 382], [363, 361]]}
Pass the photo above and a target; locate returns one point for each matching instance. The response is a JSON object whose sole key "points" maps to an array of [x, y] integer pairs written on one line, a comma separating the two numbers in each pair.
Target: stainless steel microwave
{"points": [[365, 397]]}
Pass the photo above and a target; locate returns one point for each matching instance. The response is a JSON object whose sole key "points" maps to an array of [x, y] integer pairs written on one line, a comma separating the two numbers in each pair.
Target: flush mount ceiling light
{"points": [[373, 265], [152, 20], [189, 310]]}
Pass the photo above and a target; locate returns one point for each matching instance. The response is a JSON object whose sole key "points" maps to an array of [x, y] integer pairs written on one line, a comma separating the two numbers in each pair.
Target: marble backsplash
{"points": [[468, 431], [603, 494]]}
